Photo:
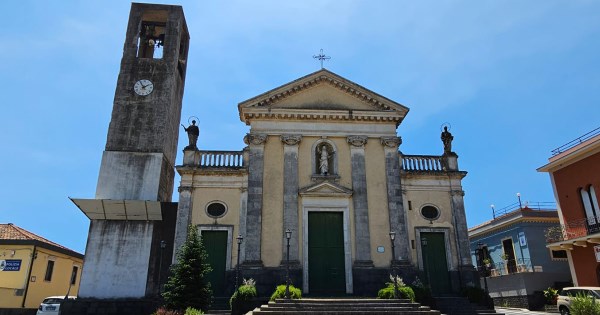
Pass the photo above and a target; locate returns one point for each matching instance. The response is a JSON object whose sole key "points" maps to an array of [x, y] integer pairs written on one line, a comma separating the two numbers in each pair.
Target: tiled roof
{"points": [[9, 231]]}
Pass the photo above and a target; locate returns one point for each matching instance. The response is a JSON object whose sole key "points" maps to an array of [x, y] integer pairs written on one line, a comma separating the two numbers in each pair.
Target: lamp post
{"points": [[519, 197], [237, 267], [395, 275], [483, 265], [288, 235]]}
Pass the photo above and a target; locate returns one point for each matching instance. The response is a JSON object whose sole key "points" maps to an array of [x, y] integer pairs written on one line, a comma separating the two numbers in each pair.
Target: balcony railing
{"points": [[224, 159], [508, 267], [431, 163], [575, 142], [573, 229]]}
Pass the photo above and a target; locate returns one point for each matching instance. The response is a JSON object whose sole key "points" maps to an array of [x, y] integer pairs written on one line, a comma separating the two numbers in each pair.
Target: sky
{"points": [[514, 79]]}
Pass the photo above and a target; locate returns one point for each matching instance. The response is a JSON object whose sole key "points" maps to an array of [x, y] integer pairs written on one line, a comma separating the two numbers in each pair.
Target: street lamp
{"points": [[237, 267], [395, 275], [520, 205], [288, 235], [483, 265]]}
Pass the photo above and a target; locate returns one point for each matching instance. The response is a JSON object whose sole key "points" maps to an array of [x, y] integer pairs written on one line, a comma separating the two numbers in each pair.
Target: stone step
{"points": [[344, 306]]}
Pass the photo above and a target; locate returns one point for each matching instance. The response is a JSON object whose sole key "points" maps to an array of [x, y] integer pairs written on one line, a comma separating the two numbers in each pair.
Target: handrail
{"points": [[573, 229], [575, 142], [422, 163]]}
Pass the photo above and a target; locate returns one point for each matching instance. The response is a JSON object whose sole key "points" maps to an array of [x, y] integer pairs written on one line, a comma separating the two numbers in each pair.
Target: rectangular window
{"points": [[74, 274], [49, 270], [559, 254]]}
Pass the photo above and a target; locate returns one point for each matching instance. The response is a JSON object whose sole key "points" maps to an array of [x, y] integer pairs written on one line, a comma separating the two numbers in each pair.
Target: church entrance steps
{"points": [[343, 306]]}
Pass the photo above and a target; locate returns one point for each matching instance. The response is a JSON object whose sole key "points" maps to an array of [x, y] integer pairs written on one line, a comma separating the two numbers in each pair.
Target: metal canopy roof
{"points": [[108, 209]]}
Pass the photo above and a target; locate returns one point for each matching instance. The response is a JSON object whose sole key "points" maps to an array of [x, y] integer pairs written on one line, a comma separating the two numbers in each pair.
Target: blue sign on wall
{"points": [[10, 265]]}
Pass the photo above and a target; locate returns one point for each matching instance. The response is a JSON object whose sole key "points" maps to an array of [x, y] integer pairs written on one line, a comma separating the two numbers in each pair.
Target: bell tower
{"points": [[131, 215]]}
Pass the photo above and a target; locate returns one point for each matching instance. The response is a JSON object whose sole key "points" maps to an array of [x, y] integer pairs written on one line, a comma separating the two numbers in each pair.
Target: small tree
{"points": [[187, 285]]}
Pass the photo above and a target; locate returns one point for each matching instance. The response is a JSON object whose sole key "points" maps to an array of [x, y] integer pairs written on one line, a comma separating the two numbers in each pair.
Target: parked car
{"points": [[51, 305], [566, 295]]}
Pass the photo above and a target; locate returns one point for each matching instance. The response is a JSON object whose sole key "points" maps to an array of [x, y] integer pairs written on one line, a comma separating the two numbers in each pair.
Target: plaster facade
{"points": [[366, 178]]}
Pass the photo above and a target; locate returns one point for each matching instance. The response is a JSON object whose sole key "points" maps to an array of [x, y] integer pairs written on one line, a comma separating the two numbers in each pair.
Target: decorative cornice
{"points": [[291, 139], [357, 141], [391, 142], [255, 138]]}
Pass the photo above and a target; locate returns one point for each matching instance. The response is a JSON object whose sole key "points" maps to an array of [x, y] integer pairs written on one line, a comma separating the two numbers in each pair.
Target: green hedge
{"points": [[243, 293], [403, 292]]}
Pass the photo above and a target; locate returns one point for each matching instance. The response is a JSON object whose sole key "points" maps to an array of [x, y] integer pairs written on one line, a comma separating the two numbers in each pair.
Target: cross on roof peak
{"points": [[321, 56]]}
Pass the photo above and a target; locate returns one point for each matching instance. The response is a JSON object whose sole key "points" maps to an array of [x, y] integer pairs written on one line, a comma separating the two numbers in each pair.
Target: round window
{"points": [[216, 210], [430, 212]]}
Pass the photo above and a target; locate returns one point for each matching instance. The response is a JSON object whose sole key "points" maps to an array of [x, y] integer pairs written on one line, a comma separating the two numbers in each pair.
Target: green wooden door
{"points": [[215, 243], [326, 269], [433, 248]]}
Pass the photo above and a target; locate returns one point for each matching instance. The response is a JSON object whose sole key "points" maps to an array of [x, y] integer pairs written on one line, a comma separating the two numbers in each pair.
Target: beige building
{"points": [[323, 161], [33, 268]]}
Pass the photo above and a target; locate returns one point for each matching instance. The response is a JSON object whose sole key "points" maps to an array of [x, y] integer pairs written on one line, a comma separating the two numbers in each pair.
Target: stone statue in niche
{"points": [[447, 140], [193, 132], [324, 159]]}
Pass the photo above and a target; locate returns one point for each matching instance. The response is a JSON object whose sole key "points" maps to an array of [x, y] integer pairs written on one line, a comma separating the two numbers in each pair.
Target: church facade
{"points": [[321, 188], [322, 162]]}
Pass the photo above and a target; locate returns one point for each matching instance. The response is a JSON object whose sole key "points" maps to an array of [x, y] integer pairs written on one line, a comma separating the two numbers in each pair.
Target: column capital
{"points": [[457, 193], [255, 138], [185, 188], [391, 142], [357, 141], [291, 139]]}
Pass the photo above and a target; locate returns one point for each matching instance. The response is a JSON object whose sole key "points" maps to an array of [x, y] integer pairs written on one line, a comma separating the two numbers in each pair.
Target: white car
{"points": [[566, 295], [51, 304]]}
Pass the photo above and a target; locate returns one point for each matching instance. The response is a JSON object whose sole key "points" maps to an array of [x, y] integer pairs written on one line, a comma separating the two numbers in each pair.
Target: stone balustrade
{"points": [[225, 159], [429, 163]]}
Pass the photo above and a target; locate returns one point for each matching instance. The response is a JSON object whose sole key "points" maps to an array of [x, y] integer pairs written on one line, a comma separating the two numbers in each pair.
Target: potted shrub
{"points": [[243, 299], [404, 292], [487, 262], [279, 293]]}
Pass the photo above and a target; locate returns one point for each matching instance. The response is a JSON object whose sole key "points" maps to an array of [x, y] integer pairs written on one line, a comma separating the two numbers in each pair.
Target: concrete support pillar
{"points": [[396, 213], [290, 194], [458, 205], [184, 219], [359, 198], [256, 143]]}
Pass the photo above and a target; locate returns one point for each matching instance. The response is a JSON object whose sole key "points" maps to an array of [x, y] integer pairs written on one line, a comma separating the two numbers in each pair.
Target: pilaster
{"points": [[397, 215], [360, 201], [256, 151], [290, 193], [458, 205]]}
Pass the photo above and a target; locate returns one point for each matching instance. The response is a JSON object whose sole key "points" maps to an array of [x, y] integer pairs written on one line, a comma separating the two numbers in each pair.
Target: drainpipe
{"points": [[33, 256]]}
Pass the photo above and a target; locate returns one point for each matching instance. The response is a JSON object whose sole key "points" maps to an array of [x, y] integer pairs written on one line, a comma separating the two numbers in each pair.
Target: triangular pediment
{"points": [[321, 95], [325, 189]]}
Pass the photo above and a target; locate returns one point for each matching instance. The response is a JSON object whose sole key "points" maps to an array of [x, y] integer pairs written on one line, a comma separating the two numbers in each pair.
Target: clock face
{"points": [[143, 87]]}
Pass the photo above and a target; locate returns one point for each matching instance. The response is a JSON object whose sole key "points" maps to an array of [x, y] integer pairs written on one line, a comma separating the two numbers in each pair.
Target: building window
{"points": [[74, 275], [49, 269], [558, 254], [430, 212], [590, 204], [216, 209]]}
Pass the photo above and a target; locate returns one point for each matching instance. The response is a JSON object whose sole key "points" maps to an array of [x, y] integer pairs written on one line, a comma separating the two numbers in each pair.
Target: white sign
{"points": [[597, 252], [522, 239]]}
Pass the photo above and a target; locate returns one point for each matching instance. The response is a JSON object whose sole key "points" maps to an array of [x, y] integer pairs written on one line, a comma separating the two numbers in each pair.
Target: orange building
{"points": [[574, 170], [33, 268]]}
